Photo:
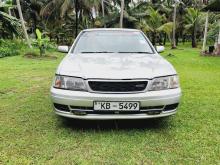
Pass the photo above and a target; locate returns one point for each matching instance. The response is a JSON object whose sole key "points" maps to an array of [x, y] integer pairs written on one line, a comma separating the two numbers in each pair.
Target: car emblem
{"points": [[140, 85]]}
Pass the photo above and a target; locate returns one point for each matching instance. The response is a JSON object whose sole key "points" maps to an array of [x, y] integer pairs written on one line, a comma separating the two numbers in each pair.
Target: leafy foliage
{"points": [[213, 27], [10, 25], [9, 48]]}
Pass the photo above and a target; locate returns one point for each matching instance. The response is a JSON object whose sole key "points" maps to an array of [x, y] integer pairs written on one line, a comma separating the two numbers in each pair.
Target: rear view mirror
{"points": [[63, 49], [160, 49]]}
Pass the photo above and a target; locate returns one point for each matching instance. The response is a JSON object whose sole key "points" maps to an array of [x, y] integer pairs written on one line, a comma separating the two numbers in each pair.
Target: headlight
{"points": [[163, 83], [70, 83]]}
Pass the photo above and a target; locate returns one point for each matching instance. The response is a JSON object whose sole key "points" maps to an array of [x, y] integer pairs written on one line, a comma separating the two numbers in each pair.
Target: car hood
{"points": [[115, 66]]}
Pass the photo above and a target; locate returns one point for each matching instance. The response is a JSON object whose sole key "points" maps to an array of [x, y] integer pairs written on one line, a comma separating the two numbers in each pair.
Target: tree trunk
{"points": [[22, 23], [103, 12], [164, 39], [184, 39], [93, 21], [57, 37], [160, 39], [76, 11], [194, 37], [154, 39], [122, 13], [205, 33], [174, 27], [177, 39]]}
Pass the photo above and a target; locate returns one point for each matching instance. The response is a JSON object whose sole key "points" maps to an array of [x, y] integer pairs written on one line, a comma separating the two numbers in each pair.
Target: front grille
{"points": [[115, 86]]}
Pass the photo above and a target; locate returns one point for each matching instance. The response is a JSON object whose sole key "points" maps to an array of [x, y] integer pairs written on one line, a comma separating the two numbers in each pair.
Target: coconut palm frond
{"points": [[129, 17], [188, 26], [13, 23], [155, 19], [140, 15], [50, 7], [167, 28], [65, 7], [142, 25], [192, 15]]}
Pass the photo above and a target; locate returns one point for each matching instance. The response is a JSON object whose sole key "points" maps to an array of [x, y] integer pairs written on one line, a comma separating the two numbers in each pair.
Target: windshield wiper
{"points": [[98, 52], [138, 52]]}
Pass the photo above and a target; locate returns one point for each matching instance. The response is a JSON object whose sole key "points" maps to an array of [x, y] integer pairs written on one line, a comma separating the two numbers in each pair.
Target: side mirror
{"points": [[63, 49], [160, 49]]}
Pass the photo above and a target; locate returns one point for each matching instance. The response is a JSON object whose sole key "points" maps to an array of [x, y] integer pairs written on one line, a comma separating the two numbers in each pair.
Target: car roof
{"points": [[111, 29]]}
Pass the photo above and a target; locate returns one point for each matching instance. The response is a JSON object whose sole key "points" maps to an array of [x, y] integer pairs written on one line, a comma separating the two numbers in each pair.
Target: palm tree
{"points": [[57, 13], [58, 9], [155, 24], [193, 22], [132, 14], [22, 23]]}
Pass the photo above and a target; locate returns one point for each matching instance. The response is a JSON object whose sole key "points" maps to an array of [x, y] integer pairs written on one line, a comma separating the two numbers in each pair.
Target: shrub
{"points": [[4, 51], [9, 48]]}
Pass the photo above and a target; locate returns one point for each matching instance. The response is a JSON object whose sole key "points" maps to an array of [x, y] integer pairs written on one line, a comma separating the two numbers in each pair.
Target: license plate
{"points": [[116, 106]]}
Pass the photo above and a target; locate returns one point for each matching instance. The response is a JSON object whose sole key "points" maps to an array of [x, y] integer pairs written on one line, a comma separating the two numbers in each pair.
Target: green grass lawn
{"points": [[30, 132]]}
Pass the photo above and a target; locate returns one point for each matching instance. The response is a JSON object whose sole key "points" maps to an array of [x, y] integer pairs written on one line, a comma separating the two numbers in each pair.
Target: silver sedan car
{"points": [[114, 74]]}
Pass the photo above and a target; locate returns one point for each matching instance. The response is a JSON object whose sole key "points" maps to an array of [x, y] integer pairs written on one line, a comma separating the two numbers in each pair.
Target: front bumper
{"points": [[85, 99]]}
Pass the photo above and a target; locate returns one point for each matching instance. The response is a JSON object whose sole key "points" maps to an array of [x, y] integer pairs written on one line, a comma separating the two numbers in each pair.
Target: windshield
{"points": [[111, 42]]}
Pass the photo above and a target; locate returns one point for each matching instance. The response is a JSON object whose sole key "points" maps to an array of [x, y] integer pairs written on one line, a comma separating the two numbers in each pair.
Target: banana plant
{"points": [[41, 42]]}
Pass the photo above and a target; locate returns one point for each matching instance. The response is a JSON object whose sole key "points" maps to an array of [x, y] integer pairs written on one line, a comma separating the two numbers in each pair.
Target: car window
{"points": [[112, 41]]}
